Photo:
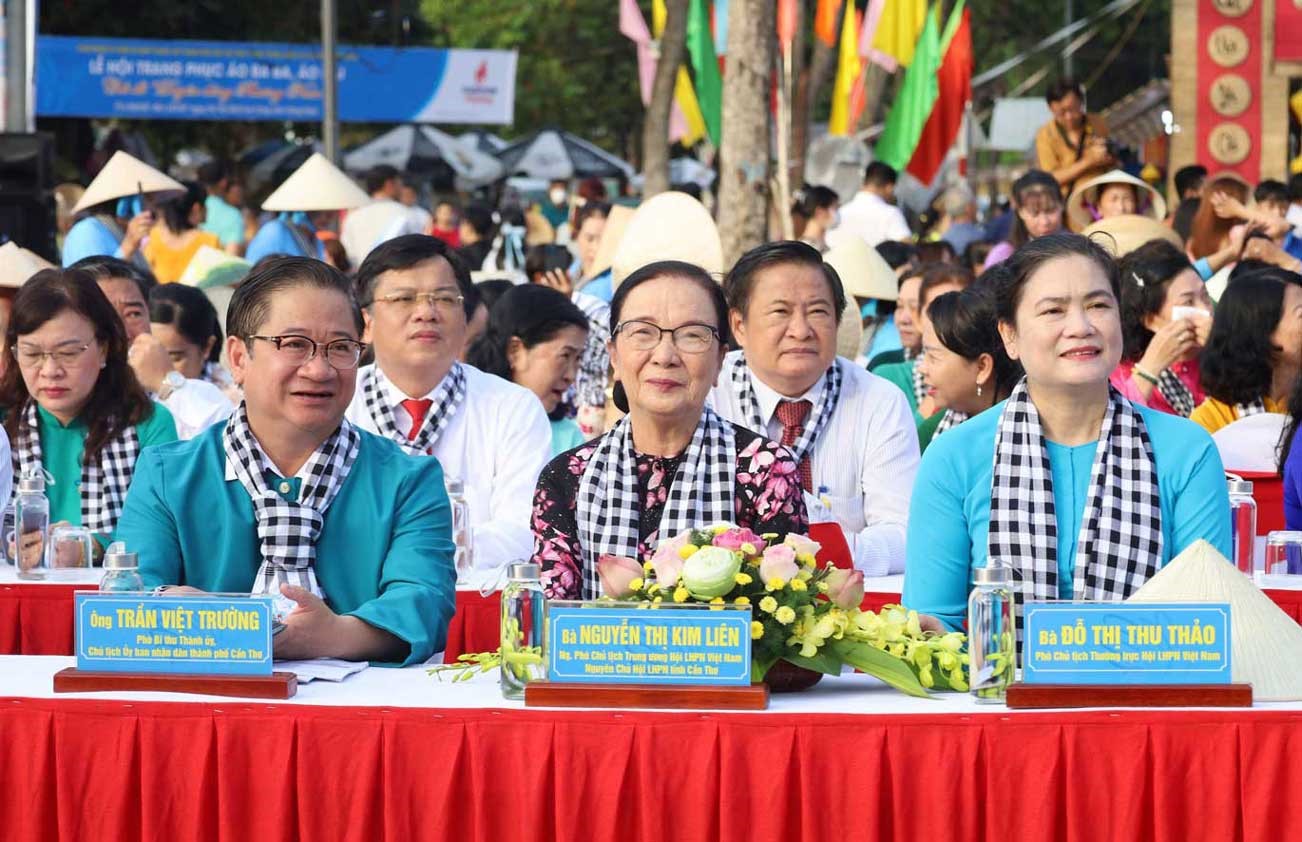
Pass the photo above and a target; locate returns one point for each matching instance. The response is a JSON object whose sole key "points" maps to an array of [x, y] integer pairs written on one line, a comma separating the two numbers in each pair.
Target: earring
{"points": [[978, 390]]}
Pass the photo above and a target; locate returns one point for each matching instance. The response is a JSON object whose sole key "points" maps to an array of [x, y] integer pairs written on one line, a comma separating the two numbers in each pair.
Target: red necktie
{"points": [[792, 415], [416, 408]]}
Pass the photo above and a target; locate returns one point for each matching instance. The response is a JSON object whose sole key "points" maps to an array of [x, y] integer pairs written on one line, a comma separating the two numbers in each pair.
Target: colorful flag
{"points": [[872, 17], [705, 69], [825, 21], [917, 95], [685, 121], [786, 24], [898, 29], [955, 89], [848, 68]]}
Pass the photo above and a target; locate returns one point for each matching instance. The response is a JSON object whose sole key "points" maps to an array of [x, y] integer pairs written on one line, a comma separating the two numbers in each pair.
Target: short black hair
{"points": [[175, 210], [102, 267], [212, 172], [378, 175], [880, 174], [1238, 363], [528, 312], [1029, 258], [938, 274], [1188, 178], [1271, 190], [965, 323], [1146, 273], [190, 313], [405, 252], [491, 291], [677, 269], [812, 198], [740, 280], [1061, 88], [1182, 221], [895, 253], [251, 303], [479, 217]]}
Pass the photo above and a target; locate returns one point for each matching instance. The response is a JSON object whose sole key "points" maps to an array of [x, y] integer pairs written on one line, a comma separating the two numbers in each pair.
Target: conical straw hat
{"points": [[1266, 643], [17, 264], [122, 176], [1120, 235], [611, 236], [669, 226], [214, 267], [849, 333], [1150, 202], [863, 271], [317, 185]]}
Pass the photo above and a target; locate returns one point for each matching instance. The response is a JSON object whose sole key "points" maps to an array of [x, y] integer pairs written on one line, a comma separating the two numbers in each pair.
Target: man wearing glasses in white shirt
{"points": [[489, 433], [852, 432]]}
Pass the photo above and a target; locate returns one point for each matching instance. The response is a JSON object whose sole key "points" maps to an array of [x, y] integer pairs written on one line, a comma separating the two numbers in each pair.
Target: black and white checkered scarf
{"points": [[1257, 407], [608, 509], [1176, 393], [739, 374], [448, 397], [288, 532], [1120, 541], [951, 420], [104, 482], [919, 385]]}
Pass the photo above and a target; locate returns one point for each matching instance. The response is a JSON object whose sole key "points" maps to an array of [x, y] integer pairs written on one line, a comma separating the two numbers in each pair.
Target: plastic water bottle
{"points": [[31, 515], [522, 630], [461, 532], [991, 633], [121, 570], [1243, 524]]}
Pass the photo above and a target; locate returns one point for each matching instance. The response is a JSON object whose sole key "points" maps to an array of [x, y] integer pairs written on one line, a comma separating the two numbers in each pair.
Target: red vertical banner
{"points": [[1288, 31], [1230, 68]]}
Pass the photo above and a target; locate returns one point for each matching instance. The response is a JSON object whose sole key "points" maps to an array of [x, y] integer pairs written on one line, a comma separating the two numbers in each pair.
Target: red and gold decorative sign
{"points": [[1229, 85], [1288, 30]]}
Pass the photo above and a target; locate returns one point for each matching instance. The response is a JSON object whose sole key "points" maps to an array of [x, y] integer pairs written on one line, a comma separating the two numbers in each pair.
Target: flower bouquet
{"points": [[802, 614]]}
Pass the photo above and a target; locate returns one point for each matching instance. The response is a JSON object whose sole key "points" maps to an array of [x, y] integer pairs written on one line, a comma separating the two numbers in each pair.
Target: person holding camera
{"points": [[1074, 145]]}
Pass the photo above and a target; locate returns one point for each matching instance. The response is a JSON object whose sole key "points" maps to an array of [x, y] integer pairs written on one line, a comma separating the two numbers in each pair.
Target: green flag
{"points": [[705, 69], [917, 96]]}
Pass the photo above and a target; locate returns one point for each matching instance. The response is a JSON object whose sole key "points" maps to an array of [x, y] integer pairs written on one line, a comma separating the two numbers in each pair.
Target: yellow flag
{"points": [[684, 93], [847, 73], [659, 14], [898, 29]]}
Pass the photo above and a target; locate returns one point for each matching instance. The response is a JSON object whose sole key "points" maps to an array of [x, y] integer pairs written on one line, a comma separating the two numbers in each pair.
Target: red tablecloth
{"points": [[476, 627], [95, 770]]}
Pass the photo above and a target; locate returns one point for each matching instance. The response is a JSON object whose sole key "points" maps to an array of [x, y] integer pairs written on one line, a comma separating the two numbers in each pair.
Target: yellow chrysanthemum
{"points": [[743, 579], [721, 528], [799, 585], [807, 560], [768, 604], [681, 594], [687, 551], [756, 630], [748, 549], [718, 600], [785, 615], [636, 584], [741, 600], [652, 588], [775, 584], [648, 567]]}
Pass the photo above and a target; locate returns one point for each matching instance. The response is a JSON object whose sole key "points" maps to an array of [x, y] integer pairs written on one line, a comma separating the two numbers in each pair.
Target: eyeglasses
{"points": [[297, 350], [445, 303], [691, 338], [29, 357]]}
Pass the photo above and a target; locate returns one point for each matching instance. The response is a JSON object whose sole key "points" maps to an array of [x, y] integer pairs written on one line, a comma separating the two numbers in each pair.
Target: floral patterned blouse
{"points": [[767, 498]]}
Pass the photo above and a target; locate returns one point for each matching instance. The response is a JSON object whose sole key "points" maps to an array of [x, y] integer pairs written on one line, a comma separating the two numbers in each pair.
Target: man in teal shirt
{"points": [[356, 533]]}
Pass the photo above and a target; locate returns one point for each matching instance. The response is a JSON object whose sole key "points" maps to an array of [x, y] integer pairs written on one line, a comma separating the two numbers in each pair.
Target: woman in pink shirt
{"points": [[1166, 315]]}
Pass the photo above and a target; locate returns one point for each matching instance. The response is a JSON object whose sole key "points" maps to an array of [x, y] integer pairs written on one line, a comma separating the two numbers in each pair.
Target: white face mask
{"points": [[835, 221], [557, 195]]}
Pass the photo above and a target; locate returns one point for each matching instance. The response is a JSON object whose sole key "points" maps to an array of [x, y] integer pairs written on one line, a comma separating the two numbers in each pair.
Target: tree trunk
{"points": [[875, 87], [744, 151], [655, 131], [799, 100], [808, 90]]}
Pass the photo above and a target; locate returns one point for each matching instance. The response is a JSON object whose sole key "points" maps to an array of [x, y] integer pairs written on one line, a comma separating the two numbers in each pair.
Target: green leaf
{"points": [[761, 663], [869, 659], [824, 661]]}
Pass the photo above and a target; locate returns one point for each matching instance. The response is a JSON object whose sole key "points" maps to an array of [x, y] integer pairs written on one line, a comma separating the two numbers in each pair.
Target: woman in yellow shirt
{"points": [[1254, 353], [173, 241]]}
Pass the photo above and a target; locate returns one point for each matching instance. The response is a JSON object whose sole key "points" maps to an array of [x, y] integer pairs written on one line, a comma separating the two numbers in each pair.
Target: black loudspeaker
{"points": [[27, 209]]}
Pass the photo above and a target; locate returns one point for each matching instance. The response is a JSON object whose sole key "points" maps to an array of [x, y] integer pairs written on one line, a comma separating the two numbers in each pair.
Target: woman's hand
{"points": [[1171, 343], [137, 230], [559, 280], [149, 360], [1226, 206], [33, 547], [929, 623]]}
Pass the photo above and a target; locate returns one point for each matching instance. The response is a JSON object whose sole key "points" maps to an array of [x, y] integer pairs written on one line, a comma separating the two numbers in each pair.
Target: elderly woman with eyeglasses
{"points": [[72, 406], [671, 463]]}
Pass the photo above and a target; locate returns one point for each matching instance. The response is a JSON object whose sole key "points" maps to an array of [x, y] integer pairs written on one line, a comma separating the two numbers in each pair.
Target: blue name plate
{"points": [[1126, 643], [608, 644], [212, 635]]}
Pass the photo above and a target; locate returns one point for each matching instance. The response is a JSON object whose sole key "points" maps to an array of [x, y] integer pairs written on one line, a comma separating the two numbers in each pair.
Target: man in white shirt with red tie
{"points": [[852, 432], [491, 434]]}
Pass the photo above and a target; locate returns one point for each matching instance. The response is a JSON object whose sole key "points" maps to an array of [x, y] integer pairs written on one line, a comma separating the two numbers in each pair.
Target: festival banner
{"points": [[223, 80]]}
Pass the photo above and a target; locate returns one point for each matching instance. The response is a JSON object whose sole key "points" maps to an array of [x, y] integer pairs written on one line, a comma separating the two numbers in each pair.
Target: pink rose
{"points": [[845, 588], [616, 573], [802, 545], [779, 563], [734, 538], [667, 562]]}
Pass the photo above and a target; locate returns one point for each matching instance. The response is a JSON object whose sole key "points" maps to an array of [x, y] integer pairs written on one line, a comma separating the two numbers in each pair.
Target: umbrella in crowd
{"points": [[554, 154], [274, 161], [424, 150], [482, 141]]}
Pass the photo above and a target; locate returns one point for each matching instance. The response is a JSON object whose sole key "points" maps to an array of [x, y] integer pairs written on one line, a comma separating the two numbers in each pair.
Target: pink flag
{"points": [[633, 27], [872, 16]]}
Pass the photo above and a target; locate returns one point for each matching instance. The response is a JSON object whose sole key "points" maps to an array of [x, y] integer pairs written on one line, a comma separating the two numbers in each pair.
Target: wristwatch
{"points": [[172, 381]]}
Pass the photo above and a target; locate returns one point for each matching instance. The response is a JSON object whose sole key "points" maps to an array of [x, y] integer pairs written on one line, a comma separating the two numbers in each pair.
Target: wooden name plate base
{"points": [[1022, 695], [278, 685], [670, 696]]}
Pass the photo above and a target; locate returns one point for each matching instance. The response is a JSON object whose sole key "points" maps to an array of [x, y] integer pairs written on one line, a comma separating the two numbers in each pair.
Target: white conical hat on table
{"points": [[17, 264], [1150, 202], [317, 185], [1266, 643], [122, 176], [669, 226]]}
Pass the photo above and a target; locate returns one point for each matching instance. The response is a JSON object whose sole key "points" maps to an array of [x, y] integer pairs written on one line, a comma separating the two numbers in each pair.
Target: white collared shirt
{"points": [[863, 463], [196, 406], [496, 444], [871, 217]]}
